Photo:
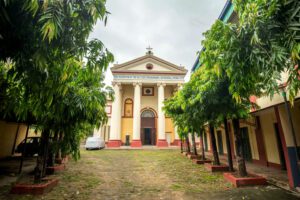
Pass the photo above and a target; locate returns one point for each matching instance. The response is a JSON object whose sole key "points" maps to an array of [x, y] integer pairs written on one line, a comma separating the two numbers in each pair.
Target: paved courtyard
{"points": [[145, 174]]}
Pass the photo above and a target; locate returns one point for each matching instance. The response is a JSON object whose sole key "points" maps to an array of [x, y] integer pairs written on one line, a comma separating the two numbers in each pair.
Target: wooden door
{"points": [[153, 136]]}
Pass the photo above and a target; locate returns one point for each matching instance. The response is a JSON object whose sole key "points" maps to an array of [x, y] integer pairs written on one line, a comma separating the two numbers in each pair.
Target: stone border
{"points": [[216, 168], [34, 189], [61, 160], [192, 156], [245, 181], [201, 162], [51, 170]]}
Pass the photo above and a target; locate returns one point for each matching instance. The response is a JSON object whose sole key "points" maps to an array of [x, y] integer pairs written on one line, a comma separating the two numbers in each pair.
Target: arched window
{"points": [[128, 108], [148, 113]]}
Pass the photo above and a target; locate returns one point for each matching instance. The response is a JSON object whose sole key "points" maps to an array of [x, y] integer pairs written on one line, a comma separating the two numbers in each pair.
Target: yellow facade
{"points": [[295, 112], [267, 120], [169, 127], [8, 133], [126, 128], [207, 138]]}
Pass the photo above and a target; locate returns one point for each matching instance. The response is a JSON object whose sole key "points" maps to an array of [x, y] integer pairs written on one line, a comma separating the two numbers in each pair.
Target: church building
{"points": [[136, 116]]}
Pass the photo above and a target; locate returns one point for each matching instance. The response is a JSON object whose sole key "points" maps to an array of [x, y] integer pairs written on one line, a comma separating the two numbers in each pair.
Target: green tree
{"points": [[255, 52], [56, 77]]}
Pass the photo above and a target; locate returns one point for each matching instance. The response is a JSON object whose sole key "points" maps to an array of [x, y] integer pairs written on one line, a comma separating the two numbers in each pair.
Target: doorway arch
{"points": [[148, 129]]}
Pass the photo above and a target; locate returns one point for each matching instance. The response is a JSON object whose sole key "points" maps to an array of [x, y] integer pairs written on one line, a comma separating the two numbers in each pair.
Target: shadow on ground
{"points": [[144, 174]]}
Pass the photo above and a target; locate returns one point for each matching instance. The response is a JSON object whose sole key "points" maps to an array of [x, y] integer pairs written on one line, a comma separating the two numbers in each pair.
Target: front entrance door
{"points": [[148, 133]]}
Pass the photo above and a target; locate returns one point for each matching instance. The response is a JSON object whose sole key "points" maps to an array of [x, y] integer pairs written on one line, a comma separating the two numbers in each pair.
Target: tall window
{"points": [[128, 108]]}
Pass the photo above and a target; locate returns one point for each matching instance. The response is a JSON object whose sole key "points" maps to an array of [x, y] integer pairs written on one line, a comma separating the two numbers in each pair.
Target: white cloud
{"points": [[172, 27]]}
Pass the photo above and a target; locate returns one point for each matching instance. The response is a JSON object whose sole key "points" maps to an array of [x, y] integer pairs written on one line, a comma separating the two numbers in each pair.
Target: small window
{"points": [[148, 91], [128, 108], [149, 66]]}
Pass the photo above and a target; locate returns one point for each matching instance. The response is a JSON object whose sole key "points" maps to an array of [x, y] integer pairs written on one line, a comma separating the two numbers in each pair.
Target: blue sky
{"points": [[173, 28]]}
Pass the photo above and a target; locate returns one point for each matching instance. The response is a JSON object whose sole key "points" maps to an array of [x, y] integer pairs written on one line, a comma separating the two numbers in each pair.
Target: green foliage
{"points": [[204, 99], [51, 74], [256, 52]]}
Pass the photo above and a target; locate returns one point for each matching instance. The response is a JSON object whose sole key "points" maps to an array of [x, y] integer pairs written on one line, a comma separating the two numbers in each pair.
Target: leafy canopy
{"points": [[51, 73]]}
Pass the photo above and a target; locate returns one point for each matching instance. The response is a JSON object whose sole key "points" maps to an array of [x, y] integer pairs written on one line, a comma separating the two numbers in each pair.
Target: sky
{"points": [[173, 28]]}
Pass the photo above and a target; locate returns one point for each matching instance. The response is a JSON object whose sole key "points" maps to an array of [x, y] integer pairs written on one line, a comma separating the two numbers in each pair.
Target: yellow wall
{"points": [[170, 128], [146, 101], [126, 128], [208, 138], [267, 120], [7, 137], [127, 92], [285, 123]]}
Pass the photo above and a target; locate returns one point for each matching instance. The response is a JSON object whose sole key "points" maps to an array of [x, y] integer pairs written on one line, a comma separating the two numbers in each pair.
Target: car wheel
{"points": [[87, 149]]}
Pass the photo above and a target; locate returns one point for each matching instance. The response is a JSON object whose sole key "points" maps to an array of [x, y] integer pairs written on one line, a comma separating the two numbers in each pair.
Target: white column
{"points": [[161, 115], [136, 111], [115, 133]]}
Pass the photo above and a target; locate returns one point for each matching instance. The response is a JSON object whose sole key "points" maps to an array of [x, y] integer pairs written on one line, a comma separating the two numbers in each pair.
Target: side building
{"points": [[270, 137]]}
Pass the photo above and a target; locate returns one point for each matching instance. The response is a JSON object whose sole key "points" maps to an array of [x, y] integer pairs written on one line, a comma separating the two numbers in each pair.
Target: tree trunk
{"points": [[229, 156], [214, 146], [202, 146], [181, 145], [187, 141], [58, 156], [52, 150], [194, 144], [40, 169], [45, 154], [239, 149]]}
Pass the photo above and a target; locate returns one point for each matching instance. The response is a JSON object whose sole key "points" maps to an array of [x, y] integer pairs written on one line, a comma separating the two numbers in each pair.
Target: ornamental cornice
{"points": [[161, 84], [137, 83]]}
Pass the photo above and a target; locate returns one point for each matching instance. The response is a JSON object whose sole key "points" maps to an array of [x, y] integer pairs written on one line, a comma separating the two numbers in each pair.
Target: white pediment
{"points": [[143, 67], [148, 64]]}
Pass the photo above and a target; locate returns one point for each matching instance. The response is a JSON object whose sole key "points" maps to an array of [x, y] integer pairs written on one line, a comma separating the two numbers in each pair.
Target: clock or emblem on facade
{"points": [[148, 91], [149, 66]]}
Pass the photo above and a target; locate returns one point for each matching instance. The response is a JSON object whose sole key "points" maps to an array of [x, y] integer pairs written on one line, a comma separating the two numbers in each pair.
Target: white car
{"points": [[94, 143]]}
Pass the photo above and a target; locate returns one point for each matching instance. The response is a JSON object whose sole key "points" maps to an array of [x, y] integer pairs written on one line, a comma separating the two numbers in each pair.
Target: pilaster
{"points": [[136, 140], [115, 134], [161, 142]]}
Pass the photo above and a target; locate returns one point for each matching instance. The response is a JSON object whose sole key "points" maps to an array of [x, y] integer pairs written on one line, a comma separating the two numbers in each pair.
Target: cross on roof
{"points": [[149, 50]]}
